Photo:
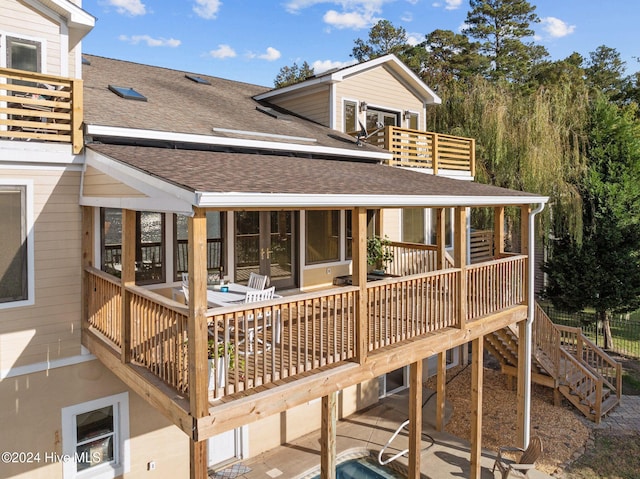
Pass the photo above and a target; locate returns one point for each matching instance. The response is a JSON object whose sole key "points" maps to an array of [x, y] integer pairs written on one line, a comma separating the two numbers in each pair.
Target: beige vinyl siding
{"points": [[379, 88], [97, 183], [18, 20], [314, 106], [49, 329]]}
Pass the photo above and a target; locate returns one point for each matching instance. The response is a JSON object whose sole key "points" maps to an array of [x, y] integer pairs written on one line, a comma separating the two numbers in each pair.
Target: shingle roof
{"points": [[179, 105], [220, 172]]}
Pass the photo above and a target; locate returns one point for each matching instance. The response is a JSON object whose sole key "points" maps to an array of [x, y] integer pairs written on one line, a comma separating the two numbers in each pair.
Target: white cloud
{"points": [[556, 28], [270, 55], [128, 7], [414, 38], [320, 66], [355, 14], [223, 51], [150, 41], [448, 4], [407, 17], [207, 9]]}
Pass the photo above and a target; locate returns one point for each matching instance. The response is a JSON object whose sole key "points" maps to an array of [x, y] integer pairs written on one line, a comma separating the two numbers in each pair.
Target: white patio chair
{"points": [[249, 327], [257, 281]]}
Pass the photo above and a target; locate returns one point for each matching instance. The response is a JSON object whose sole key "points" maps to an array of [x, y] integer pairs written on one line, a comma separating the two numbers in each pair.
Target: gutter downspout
{"points": [[529, 324]]}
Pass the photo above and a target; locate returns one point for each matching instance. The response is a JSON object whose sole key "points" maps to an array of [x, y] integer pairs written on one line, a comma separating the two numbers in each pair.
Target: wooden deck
{"points": [[296, 335]]}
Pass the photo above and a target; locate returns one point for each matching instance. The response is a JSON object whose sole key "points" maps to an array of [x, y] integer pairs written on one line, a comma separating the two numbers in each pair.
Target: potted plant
{"points": [[221, 358], [379, 253]]}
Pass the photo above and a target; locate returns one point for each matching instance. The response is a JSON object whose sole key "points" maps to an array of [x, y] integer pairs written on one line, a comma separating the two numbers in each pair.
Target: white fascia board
{"points": [[76, 16], [117, 132], [161, 195], [453, 174], [300, 201], [37, 153]]}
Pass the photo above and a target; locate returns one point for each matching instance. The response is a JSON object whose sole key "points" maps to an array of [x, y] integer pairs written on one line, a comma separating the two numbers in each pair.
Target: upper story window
{"points": [[24, 54], [16, 261], [150, 245], [375, 118], [350, 115]]}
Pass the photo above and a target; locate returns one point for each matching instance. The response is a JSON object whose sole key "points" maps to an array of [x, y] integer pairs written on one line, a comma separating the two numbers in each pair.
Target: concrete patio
{"points": [[443, 455]]}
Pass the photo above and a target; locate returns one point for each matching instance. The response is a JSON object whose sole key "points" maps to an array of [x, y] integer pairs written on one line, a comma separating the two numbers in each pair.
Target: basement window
{"points": [[127, 93]]}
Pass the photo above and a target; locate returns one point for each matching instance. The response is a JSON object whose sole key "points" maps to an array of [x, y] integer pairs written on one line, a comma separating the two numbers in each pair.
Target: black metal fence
{"points": [[625, 329]]}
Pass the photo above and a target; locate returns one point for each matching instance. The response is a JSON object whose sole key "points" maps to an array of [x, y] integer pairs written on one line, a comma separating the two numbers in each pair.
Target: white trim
{"points": [[45, 366], [122, 457], [338, 201], [76, 17], [31, 283], [333, 107], [64, 49], [37, 153], [422, 90], [117, 132]]}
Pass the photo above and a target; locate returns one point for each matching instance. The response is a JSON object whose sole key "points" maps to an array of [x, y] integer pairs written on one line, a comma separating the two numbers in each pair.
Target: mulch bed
{"points": [[564, 434]]}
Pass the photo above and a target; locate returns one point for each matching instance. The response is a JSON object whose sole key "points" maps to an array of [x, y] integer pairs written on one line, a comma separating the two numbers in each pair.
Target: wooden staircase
{"points": [[565, 360]]}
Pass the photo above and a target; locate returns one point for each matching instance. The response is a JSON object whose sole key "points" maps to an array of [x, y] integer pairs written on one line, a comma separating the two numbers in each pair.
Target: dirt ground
{"points": [[562, 431]]}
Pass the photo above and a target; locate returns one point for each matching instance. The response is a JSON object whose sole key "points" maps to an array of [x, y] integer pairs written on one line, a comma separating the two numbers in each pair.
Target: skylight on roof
{"points": [[85, 61], [198, 79], [127, 93]]}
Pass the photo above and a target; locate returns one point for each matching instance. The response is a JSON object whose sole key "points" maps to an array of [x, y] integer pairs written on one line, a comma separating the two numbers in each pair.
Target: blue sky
{"points": [[250, 40]]}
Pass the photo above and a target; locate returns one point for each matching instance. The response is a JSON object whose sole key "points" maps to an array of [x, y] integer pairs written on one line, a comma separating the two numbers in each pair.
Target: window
{"points": [[23, 54], [371, 230], [215, 235], [375, 118], [95, 435], [420, 226], [413, 225], [350, 117], [16, 254], [323, 234], [150, 245]]}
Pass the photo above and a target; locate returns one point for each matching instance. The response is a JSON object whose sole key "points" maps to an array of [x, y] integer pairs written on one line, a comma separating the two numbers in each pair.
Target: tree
{"points": [[501, 26], [603, 270], [384, 38], [605, 70], [451, 56], [293, 74]]}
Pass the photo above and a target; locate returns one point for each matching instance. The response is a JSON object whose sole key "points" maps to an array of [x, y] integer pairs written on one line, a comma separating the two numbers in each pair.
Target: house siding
{"points": [[314, 106], [50, 328], [18, 20], [97, 183], [379, 88]]}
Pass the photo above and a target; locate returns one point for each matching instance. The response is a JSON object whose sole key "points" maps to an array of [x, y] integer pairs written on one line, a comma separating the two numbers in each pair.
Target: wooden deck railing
{"points": [[424, 149], [403, 308], [290, 336], [495, 285], [34, 106], [414, 258]]}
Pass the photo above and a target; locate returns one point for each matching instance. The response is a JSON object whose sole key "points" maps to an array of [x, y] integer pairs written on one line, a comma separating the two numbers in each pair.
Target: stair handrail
{"points": [[546, 337], [602, 363], [587, 375]]}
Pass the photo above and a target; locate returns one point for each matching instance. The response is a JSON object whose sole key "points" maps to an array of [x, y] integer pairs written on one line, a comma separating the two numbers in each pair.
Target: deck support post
{"points": [[359, 278], [198, 460], [197, 335], [328, 436], [415, 418], [87, 261], [441, 238], [477, 347], [460, 259], [498, 231], [441, 394], [127, 278]]}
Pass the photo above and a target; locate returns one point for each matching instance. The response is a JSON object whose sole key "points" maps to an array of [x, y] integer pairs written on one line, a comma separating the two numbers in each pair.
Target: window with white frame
{"points": [[16, 238], [95, 438], [420, 226], [350, 115], [323, 236], [23, 54]]}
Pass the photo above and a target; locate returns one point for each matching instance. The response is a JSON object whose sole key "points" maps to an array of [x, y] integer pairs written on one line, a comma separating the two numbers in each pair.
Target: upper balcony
{"points": [[424, 149], [38, 107]]}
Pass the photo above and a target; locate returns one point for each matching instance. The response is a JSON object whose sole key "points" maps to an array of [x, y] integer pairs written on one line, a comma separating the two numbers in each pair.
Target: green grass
{"points": [[612, 457]]}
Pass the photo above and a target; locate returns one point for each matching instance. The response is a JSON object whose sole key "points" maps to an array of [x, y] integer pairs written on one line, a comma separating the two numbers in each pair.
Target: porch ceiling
{"points": [[243, 180]]}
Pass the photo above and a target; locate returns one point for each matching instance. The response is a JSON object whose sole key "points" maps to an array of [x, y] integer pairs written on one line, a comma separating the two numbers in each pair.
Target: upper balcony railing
{"points": [[423, 149], [39, 107]]}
